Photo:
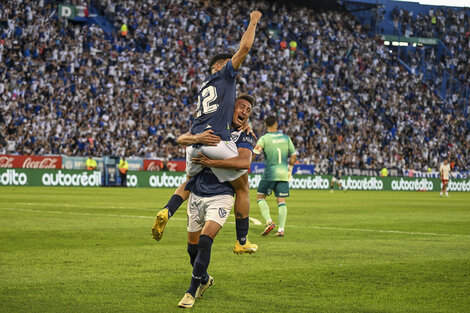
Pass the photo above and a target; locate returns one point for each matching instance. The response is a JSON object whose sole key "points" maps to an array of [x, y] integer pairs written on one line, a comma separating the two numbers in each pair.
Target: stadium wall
{"points": [[142, 179]]}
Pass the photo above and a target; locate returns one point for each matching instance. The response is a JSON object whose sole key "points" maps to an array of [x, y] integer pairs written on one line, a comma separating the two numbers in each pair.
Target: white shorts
{"points": [[335, 180], [224, 150], [203, 209]]}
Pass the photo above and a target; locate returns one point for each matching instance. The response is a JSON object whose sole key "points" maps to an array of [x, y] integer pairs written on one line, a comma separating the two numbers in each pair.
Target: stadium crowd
{"points": [[450, 25], [67, 88]]}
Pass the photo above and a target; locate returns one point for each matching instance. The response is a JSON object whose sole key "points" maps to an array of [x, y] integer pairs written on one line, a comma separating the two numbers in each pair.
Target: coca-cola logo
{"points": [[154, 166], [44, 163], [6, 162], [171, 166]]}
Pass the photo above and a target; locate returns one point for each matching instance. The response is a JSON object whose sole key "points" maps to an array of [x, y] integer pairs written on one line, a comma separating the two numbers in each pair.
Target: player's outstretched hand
{"points": [[247, 128], [203, 160], [255, 16], [207, 138]]}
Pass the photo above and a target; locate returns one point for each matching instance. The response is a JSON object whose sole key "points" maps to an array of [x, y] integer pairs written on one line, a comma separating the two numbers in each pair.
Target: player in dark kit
{"points": [[216, 100], [337, 173], [244, 143], [208, 208], [216, 104]]}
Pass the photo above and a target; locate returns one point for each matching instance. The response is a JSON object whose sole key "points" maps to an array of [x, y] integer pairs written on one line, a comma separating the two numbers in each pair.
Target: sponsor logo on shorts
{"points": [[222, 212], [283, 194]]}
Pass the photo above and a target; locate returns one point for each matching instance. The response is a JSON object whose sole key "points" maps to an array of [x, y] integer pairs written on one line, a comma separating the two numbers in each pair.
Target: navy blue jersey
{"points": [[336, 171], [216, 103], [206, 184], [242, 139]]}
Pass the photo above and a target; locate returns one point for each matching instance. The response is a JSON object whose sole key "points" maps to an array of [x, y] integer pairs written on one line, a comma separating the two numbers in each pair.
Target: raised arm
{"points": [[247, 40], [240, 162]]}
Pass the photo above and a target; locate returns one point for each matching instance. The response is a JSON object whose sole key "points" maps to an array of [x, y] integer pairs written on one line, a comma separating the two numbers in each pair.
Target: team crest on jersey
{"points": [[235, 136], [222, 212]]}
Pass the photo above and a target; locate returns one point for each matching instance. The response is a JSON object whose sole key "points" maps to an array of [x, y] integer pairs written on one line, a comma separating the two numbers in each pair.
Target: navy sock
{"points": [[205, 279], [241, 226], [192, 251], [200, 263], [174, 204]]}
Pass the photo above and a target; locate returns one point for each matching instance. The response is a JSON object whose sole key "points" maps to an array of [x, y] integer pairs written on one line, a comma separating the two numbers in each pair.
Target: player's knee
{"points": [[244, 191], [192, 251]]}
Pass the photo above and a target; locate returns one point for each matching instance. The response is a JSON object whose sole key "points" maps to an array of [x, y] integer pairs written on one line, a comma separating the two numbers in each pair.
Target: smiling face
{"points": [[242, 112]]}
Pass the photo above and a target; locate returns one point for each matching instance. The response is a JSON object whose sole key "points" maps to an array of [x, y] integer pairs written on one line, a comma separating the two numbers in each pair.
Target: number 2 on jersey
{"points": [[208, 96]]}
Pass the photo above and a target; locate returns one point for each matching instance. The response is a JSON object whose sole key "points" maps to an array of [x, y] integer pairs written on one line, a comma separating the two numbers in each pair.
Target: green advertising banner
{"points": [[311, 182], [51, 177]]}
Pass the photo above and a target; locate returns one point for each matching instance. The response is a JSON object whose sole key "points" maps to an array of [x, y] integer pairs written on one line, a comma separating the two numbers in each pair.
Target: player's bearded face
{"points": [[242, 112]]}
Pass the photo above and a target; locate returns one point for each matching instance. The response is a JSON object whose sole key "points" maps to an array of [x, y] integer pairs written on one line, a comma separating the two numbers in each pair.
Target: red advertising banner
{"points": [[157, 165], [30, 161]]}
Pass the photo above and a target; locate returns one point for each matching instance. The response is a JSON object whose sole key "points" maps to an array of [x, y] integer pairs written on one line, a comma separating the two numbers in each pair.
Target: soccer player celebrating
{"points": [[215, 110], [244, 142], [209, 206], [280, 156], [210, 203], [444, 172]]}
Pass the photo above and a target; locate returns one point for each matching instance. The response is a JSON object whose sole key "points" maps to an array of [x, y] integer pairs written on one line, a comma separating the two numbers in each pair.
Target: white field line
{"points": [[84, 206], [383, 231], [254, 220]]}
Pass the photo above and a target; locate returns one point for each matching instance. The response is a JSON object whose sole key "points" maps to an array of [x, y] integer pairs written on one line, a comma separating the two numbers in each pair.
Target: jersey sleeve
{"points": [[291, 148], [228, 71], [246, 141]]}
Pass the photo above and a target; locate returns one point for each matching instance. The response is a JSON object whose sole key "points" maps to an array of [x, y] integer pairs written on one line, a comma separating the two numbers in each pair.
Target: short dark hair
{"points": [[270, 120], [248, 98], [216, 58]]}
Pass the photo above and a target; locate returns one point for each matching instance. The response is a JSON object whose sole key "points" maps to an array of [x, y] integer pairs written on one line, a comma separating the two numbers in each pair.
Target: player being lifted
{"points": [[280, 156], [216, 101], [244, 142]]}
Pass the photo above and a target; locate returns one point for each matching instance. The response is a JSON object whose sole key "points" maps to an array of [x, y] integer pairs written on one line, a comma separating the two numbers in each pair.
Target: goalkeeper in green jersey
{"points": [[279, 155]]}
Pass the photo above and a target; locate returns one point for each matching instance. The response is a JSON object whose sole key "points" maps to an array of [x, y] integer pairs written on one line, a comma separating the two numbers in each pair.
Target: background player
{"points": [[337, 173], [280, 156], [244, 142], [444, 172]]}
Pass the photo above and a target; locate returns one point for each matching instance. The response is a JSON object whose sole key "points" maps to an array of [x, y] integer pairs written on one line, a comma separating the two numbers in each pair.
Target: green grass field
{"points": [[90, 250]]}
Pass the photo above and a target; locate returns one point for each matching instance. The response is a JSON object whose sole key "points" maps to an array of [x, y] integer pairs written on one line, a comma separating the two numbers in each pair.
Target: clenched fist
{"points": [[255, 16]]}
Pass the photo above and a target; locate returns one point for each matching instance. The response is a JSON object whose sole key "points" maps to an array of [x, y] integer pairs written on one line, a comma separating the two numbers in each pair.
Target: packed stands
{"points": [[68, 88]]}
